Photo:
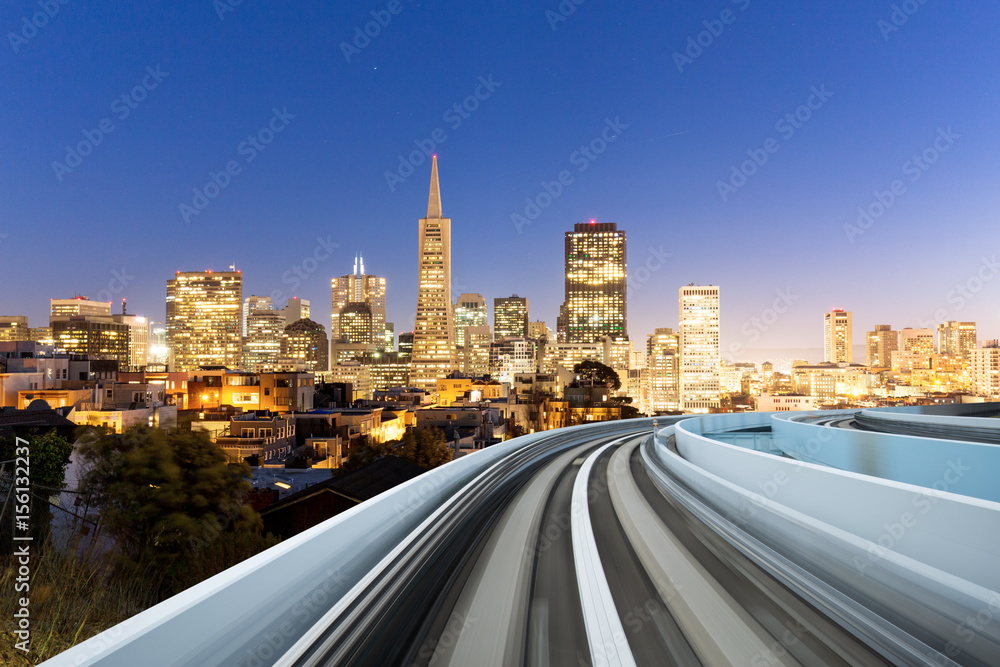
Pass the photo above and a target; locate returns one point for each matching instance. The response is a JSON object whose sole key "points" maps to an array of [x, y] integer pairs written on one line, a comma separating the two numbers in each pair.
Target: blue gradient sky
{"points": [[324, 175]]}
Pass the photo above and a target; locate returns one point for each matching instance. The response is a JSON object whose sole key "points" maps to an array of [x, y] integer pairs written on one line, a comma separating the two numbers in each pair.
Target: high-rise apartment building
{"points": [[80, 305], [358, 288], [918, 341], [957, 339], [306, 341], [837, 337], [663, 371], [510, 317], [434, 350], [594, 306], [699, 344], [204, 319], [984, 370], [470, 310], [476, 351], [880, 344]]}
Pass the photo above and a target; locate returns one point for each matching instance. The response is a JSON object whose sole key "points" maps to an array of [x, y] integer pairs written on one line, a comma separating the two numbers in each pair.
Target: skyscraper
{"points": [[957, 339], [470, 311], [699, 341], [837, 336], [262, 340], [358, 288], [254, 303], [595, 284], [434, 354], [510, 317], [296, 309], [306, 341], [880, 345], [663, 370], [204, 319]]}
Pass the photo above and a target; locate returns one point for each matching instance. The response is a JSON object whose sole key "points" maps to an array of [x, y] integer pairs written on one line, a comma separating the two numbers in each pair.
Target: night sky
{"points": [[670, 117]]}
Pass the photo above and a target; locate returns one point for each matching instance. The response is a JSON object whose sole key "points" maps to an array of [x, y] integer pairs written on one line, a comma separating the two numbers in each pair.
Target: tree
{"points": [[599, 373], [49, 453], [167, 497], [425, 447]]}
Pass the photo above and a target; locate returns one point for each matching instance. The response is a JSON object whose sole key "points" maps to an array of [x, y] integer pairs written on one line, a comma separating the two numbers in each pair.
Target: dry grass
{"points": [[72, 599]]}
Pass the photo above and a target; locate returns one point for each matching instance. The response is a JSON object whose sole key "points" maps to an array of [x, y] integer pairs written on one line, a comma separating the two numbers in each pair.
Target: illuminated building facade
{"points": [[837, 337], [359, 288], [138, 339], [510, 356], [80, 305], [918, 341], [879, 346], [595, 284], [306, 341], [96, 337], [510, 317], [957, 339], [476, 351], [296, 309], [663, 371], [434, 349], [254, 303], [539, 330], [470, 311], [204, 319], [699, 344], [14, 327], [262, 341], [984, 370]]}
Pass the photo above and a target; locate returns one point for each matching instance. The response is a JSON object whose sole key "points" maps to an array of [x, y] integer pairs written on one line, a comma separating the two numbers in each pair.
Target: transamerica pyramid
{"points": [[434, 354]]}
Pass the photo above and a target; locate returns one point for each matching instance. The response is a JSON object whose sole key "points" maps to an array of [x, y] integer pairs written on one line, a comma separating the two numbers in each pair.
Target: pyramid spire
{"points": [[434, 199]]}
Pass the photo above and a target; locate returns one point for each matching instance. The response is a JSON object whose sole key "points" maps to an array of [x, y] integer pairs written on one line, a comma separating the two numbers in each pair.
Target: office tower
{"points": [[837, 337], [880, 345], [93, 336], [699, 342], [80, 305], [918, 341], [434, 353], [204, 319], [476, 351], [254, 303], [470, 311], [356, 324], [358, 288], [14, 327], [158, 352], [663, 370], [595, 284], [984, 370], [539, 330], [406, 344], [957, 339], [510, 317], [297, 309], [390, 337], [262, 341], [306, 341], [138, 339]]}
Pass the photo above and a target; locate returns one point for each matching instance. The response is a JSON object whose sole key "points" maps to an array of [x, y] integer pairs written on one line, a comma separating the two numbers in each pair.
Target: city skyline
{"points": [[317, 192]]}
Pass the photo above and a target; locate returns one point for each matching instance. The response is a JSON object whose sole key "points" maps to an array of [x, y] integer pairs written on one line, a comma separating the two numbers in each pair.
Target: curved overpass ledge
{"points": [[254, 611], [924, 559], [953, 466]]}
